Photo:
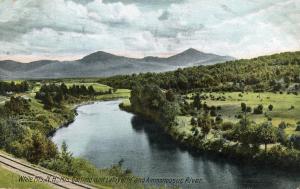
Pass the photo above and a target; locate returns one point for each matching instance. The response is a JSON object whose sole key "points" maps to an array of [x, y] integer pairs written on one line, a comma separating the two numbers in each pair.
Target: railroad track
{"points": [[39, 174]]}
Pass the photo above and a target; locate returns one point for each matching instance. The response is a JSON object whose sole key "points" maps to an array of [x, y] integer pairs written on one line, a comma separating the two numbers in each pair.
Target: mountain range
{"points": [[103, 64]]}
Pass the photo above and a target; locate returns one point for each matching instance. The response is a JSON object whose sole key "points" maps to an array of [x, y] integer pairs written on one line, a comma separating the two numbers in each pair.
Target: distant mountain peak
{"points": [[103, 64], [98, 56], [191, 51]]}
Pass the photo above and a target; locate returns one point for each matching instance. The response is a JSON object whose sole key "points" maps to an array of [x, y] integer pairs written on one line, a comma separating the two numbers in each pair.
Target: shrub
{"points": [[219, 119], [227, 126], [282, 125], [258, 109], [194, 121], [213, 113], [240, 116], [270, 107], [243, 106]]}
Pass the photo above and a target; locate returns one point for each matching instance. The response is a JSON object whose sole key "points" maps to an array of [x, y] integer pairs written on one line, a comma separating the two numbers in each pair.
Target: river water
{"points": [[103, 134]]}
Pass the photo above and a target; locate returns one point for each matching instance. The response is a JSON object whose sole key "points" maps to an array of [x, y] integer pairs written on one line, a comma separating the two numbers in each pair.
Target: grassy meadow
{"points": [[286, 107], [9, 179]]}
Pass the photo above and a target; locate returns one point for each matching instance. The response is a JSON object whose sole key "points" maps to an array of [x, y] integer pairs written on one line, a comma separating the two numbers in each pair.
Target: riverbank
{"points": [[40, 122], [277, 156], [119, 94]]}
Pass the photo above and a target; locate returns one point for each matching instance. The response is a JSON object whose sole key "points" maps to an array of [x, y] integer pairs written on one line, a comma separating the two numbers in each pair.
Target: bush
{"points": [[219, 119], [227, 126], [213, 113], [239, 116], [194, 121], [270, 107], [282, 125], [258, 109]]}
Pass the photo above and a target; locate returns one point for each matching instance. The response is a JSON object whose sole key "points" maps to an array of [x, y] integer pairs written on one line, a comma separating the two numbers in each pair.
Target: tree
{"points": [[194, 121], [48, 101], [204, 123], [266, 134], [17, 105], [213, 113], [64, 88], [170, 95], [195, 131], [59, 97], [41, 148], [245, 109], [91, 90], [270, 107], [243, 106], [258, 109], [197, 102], [66, 155]]}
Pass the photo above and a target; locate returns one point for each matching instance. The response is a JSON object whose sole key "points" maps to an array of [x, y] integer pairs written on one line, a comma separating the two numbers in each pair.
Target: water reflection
{"points": [[104, 134]]}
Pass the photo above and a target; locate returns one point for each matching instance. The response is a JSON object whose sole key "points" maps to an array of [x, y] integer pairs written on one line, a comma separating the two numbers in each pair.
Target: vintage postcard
{"points": [[150, 94]]}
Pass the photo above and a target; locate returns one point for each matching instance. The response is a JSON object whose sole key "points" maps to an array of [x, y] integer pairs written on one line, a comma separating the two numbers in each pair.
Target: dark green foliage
{"points": [[259, 109], [23, 142], [219, 119], [197, 101], [205, 123], [16, 105], [41, 148], [243, 106], [194, 121], [292, 107], [282, 125], [266, 134], [170, 95], [270, 107], [213, 113], [227, 126], [265, 74], [6, 87], [248, 109], [66, 164], [244, 133], [54, 95], [151, 101]]}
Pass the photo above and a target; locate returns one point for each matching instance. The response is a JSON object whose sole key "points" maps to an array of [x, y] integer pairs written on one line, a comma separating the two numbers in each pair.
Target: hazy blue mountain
{"points": [[103, 64]]}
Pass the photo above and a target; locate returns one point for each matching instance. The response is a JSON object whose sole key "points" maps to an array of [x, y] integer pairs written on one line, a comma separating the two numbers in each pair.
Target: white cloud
{"points": [[231, 27]]}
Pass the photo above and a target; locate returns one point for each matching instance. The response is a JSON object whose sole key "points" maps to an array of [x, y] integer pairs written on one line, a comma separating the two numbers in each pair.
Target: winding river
{"points": [[103, 134]]}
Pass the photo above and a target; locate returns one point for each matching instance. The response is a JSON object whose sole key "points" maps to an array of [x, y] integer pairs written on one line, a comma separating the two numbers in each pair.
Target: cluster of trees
{"points": [[16, 105], [257, 110], [151, 101], [204, 122], [268, 73], [6, 87], [65, 163], [248, 133], [53, 95], [197, 106], [24, 142]]}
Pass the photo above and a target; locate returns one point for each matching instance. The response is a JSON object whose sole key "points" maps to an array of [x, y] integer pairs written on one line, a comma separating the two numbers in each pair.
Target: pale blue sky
{"points": [[67, 29]]}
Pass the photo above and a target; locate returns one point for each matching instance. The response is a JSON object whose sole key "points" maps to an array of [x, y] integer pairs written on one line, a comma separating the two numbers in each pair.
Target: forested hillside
{"points": [[267, 73]]}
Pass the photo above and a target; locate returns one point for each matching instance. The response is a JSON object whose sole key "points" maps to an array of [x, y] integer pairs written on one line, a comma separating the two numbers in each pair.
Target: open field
{"points": [[286, 107], [98, 87]]}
